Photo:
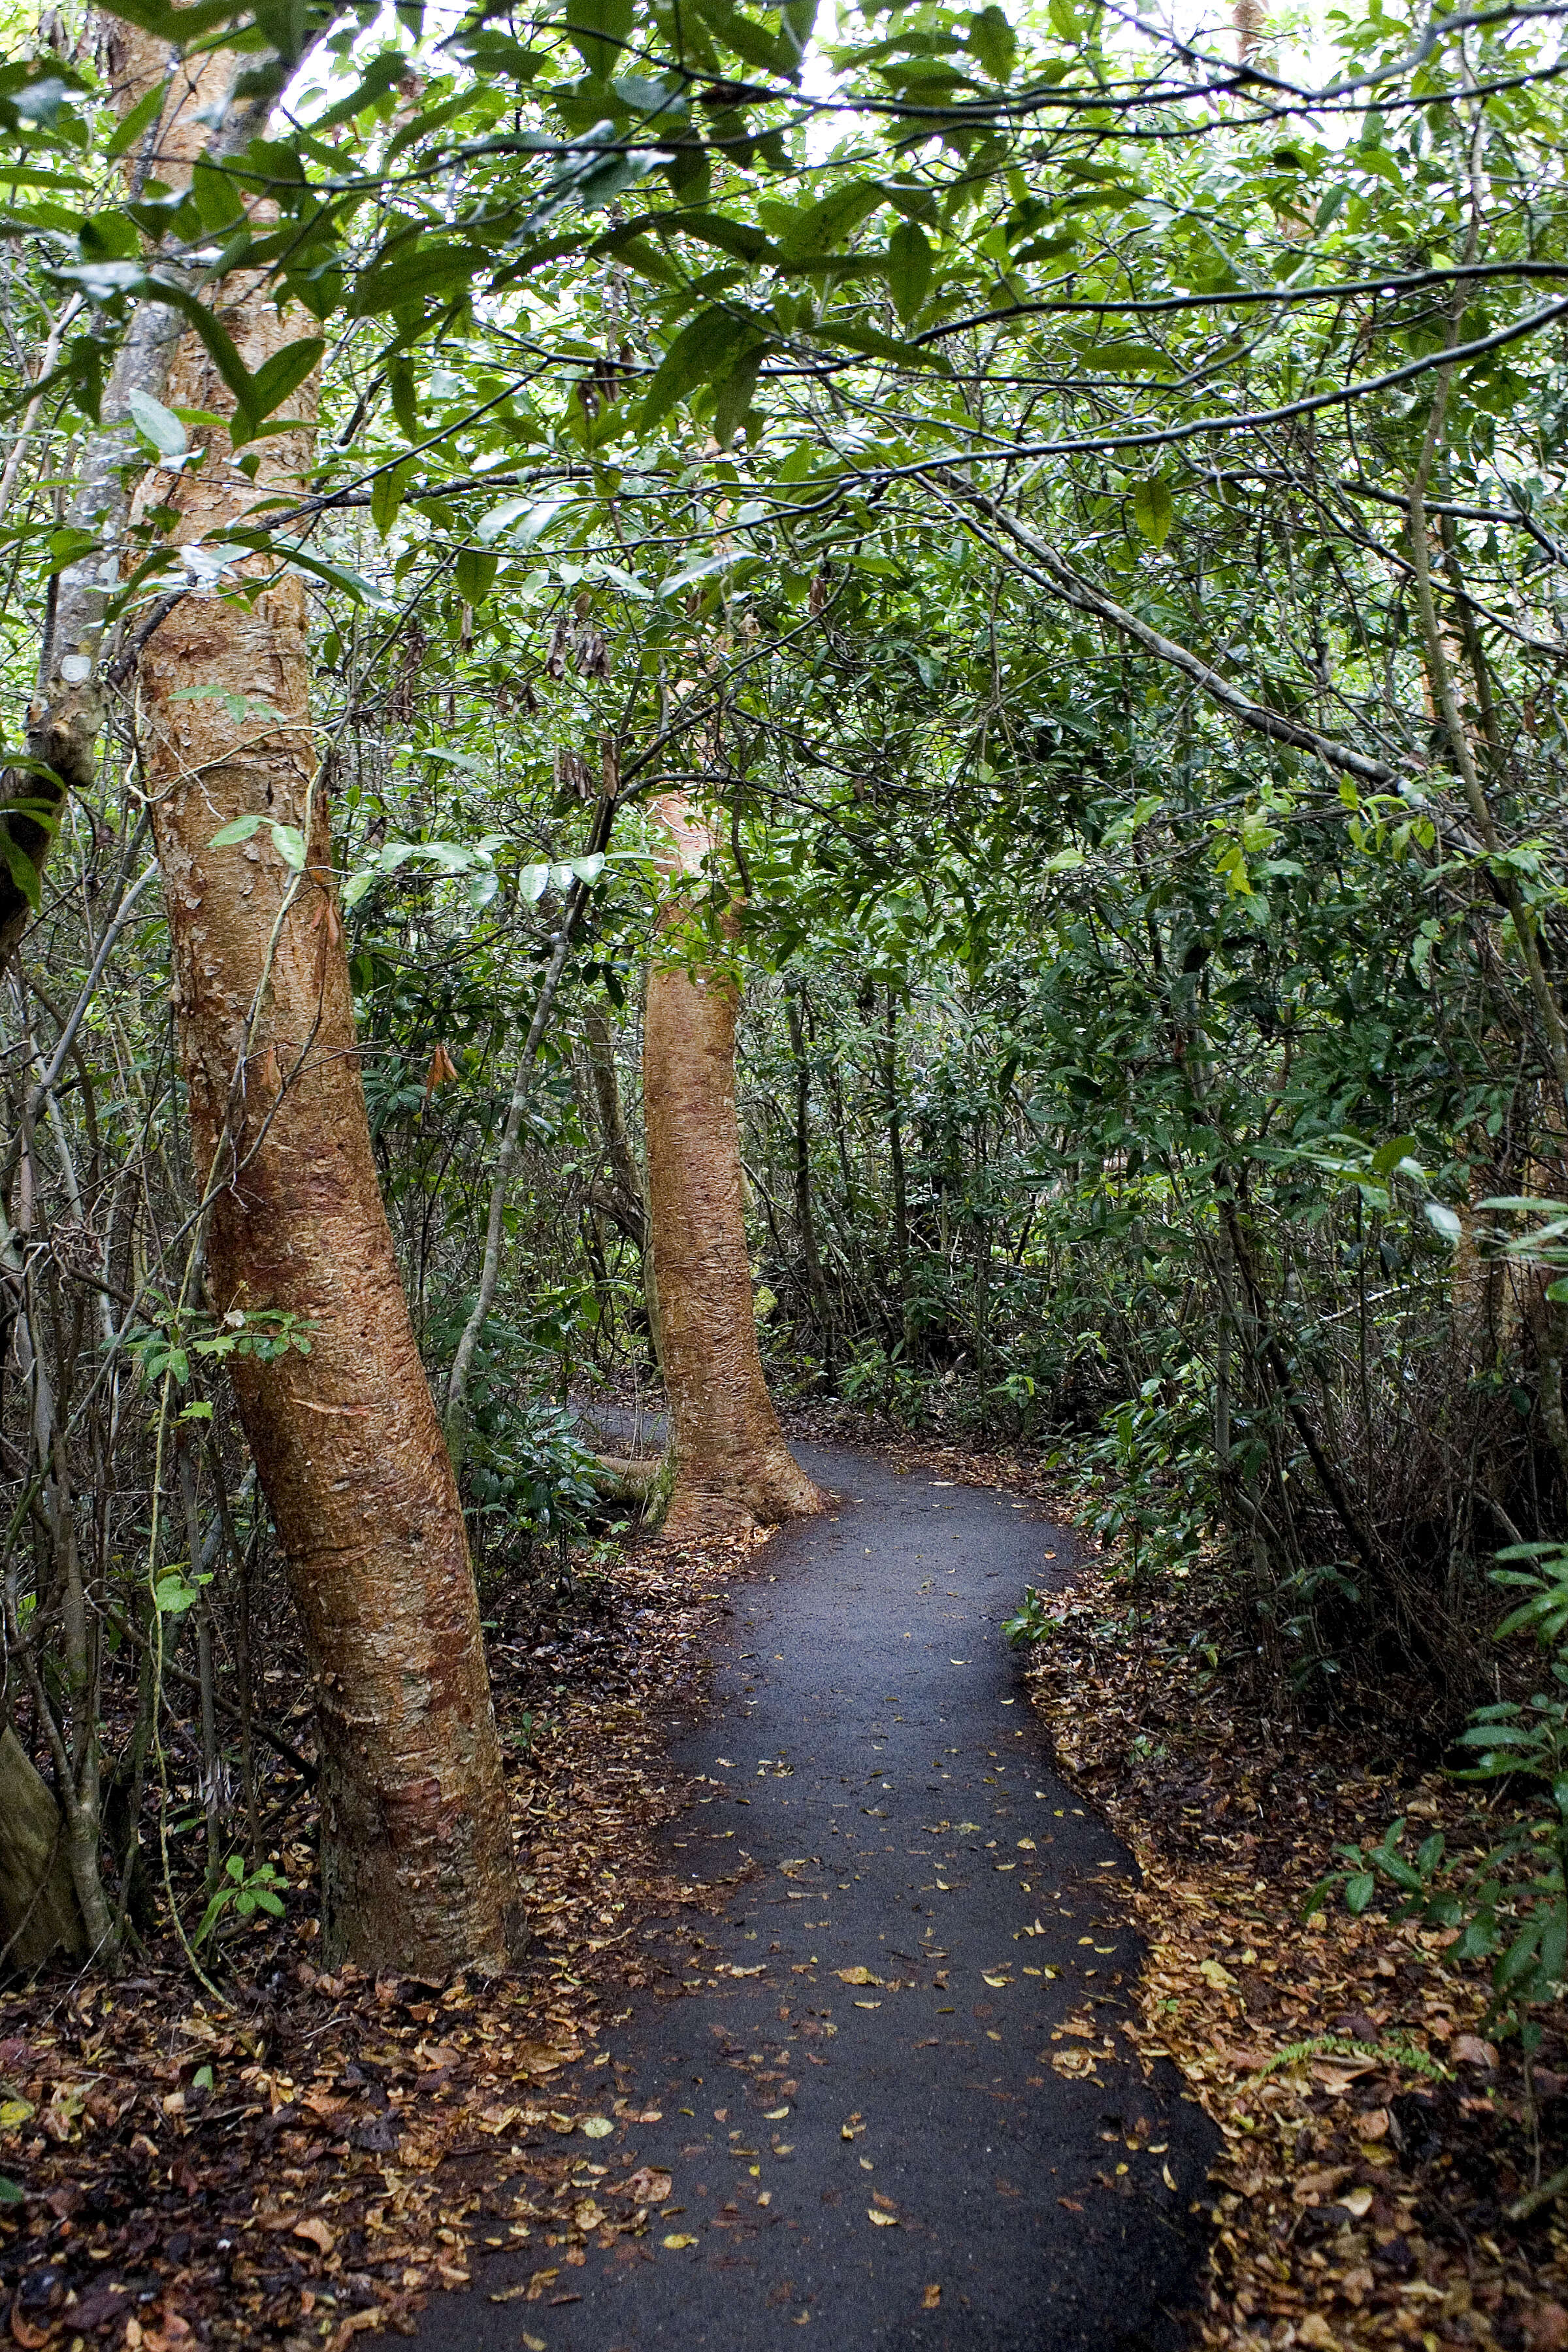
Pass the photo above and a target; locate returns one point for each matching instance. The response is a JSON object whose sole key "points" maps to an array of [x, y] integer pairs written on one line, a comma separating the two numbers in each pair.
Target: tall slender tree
{"points": [[733, 1468], [418, 1866]]}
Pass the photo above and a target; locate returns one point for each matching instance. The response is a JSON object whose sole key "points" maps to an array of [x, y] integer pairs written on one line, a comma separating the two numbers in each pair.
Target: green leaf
{"points": [[705, 349], [474, 573], [992, 43], [240, 830], [824, 227], [1154, 510], [142, 117], [283, 374], [158, 424], [732, 396], [738, 238], [1359, 1892], [10, 2194], [20, 867], [599, 30], [1443, 1220], [289, 844], [415, 272], [909, 269], [387, 496]]}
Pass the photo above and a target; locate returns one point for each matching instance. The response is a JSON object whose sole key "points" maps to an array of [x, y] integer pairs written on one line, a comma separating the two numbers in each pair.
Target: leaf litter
{"points": [[308, 2158]]}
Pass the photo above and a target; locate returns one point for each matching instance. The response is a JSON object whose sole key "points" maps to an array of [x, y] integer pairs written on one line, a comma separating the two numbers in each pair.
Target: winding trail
{"points": [[893, 2162]]}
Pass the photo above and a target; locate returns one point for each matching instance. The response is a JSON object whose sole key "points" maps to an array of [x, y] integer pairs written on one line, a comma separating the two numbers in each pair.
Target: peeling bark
{"points": [[66, 714], [733, 1468], [417, 1867]]}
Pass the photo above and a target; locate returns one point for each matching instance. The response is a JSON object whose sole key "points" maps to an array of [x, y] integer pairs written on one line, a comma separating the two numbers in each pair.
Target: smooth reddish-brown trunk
{"points": [[733, 1468], [417, 1865]]}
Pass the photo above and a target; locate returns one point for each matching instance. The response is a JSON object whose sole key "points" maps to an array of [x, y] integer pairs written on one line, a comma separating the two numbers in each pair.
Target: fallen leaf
{"points": [[1211, 1973], [597, 2126], [1357, 2201], [1000, 1982], [1470, 2050], [31, 2339], [354, 2324], [883, 2220], [1319, 2184], [931, 2299], [1315, 2330], [775, 2114], [858, 1975], [532, 2343], [1167, 2175], [678, 2238], [648, 2187], [316, 2231]]}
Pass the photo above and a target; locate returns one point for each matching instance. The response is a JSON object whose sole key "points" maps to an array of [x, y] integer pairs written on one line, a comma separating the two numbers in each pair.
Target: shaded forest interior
{"points": [[721, 724]]}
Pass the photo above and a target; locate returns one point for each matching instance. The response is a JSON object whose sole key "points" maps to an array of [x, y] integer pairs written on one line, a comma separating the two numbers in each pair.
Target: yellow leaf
{"points": [[317, 2232], [998, 1981], [931, 2299], [1357, 2201], [1167, 2175], [883, 2220], [775, 2114], [857, 1976], [1211, 1973], [597, 2126], [678, 2238]]}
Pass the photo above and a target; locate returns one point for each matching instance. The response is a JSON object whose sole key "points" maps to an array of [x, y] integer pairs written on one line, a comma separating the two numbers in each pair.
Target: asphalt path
{"points": [[867, 2140]]}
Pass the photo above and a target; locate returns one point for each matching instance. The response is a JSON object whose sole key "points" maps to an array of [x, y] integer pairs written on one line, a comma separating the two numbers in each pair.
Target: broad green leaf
{"points": [[705, 349], [158, 424], [413, 273], [732, 396], [909, 269], [473, 574], [599, 31], [140, 119], [283, 374], [387, 496], [20, 867], [240, 830], [824, 227], [1154, 510], [993, 43]]}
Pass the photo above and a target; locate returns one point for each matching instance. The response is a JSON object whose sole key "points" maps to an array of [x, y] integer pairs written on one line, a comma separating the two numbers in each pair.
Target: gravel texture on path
{"points": [[870, 2136]]}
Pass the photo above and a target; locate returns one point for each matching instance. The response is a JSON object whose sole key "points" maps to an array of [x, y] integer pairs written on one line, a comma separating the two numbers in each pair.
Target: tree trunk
{"points": [[39, 1916], [733, 1468], [804, 1216], [417, 1868], [65, 718]]}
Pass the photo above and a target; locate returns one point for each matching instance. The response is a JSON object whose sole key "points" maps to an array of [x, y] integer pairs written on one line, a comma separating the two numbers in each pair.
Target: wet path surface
{"points": [[866, 2142]]}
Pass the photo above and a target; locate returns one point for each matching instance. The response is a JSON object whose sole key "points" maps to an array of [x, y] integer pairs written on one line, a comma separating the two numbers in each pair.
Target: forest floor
{"points": [[307, 2155]]}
